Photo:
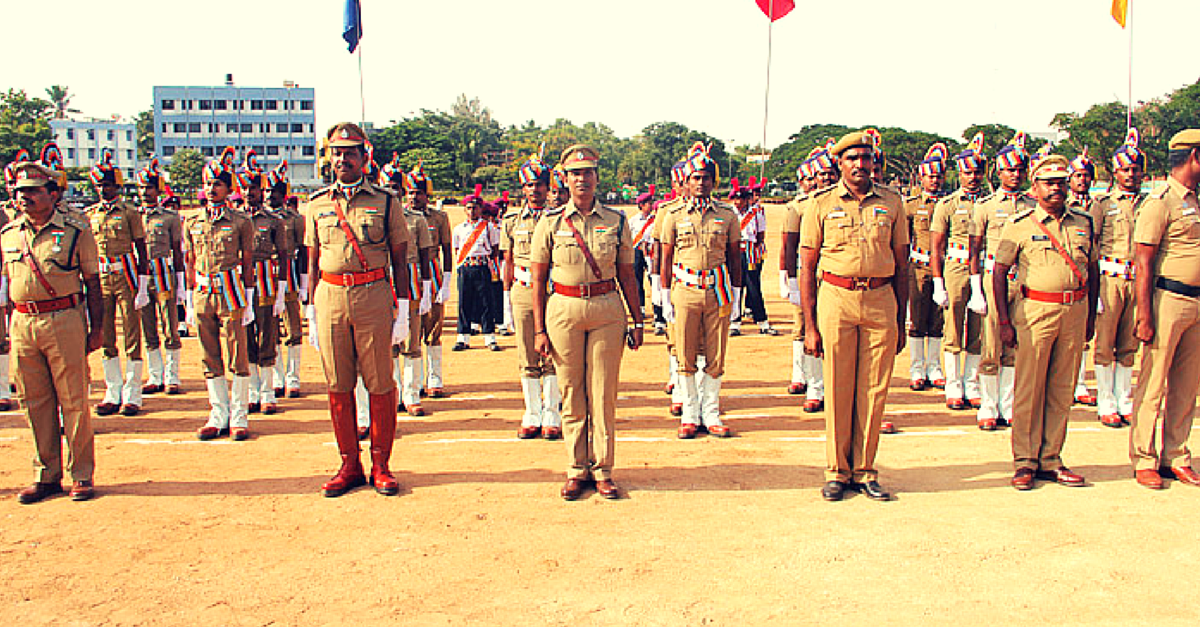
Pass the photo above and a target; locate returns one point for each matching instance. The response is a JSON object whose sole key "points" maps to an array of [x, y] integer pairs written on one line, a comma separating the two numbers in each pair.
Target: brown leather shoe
{"points": [[37, 492], [152, 388], [676, 409], [1023, 479], [938, 384], [238, 434], [174, 389], [416, 410], [278, 392], [813, 405], [987, 424], [1185, 474], [607, 489], [1148, 478], [918, 385], [687, 431], [529, 433], [797, 388], [957, 404], [975, 403], [129, 409], [7, 404], [1086, 399], [668, 388], [83, 491], [435, 393], [270, 408], [573, 489], [210, 433], [107, 409], [1062, 476], [552, 433], [253, 408], [888, 427], [293, 393], [1112, 420]]}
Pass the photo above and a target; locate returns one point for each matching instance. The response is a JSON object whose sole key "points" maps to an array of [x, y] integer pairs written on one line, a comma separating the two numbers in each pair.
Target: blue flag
{"points": [[352, 29]]}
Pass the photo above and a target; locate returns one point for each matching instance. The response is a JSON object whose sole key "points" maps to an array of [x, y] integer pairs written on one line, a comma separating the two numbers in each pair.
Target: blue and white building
{"points": [[278, 122], [82, 141]]}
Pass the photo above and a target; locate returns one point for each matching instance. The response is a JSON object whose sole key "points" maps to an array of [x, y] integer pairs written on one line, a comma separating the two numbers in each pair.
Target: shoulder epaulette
{"points": [[1160, 192], [1083, 214], [822, 191], [1020, 215], [556, 211], [724, 205], [76, 221], [319, 193], [11, 224], [983, 199]]}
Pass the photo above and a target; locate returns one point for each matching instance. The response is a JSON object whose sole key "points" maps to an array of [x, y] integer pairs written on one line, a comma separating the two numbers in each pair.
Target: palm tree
{"points": [[60, 98]]}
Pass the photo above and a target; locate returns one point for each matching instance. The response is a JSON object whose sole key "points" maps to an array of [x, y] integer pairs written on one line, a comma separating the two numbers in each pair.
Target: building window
{"points": [[281, 128], [306, 105], [128, 136], [219, 105], [207, 151], [214, 128], [168, 151], [71, 153], [129, 155], [272, 151], [264, 128], [297, 128], [256, 105], [91, 154], [167, 105], [164, 128], [260, 150], [206, 105], [231, 128], [193, 127], [111, 135], [309, 151], [91, 134], [270, 105], [310, 128], [247, 128], [180, 127], [70, 133]]}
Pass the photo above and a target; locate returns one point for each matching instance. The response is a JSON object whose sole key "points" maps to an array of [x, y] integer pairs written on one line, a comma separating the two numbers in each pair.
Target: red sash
{"points": [[470, 243]]}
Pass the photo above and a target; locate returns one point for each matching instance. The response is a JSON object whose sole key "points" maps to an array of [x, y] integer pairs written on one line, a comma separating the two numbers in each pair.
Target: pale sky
{"points": [[932, 65]]}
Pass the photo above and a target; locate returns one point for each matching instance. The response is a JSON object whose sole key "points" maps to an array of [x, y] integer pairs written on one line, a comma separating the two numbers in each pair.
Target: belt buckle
{"points": [[32, 307], [861, 283], [349, 279], [585, 291], [1068, 298]]}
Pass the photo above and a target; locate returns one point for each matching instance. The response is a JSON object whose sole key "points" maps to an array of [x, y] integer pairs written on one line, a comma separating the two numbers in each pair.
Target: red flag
{"points": [[776, 9]]}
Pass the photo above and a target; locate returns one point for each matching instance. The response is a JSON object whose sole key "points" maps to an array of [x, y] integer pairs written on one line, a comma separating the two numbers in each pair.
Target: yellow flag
{"points": [[1120, 9]]}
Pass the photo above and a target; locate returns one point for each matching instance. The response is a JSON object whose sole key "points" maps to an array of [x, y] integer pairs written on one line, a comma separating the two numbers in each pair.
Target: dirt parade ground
{"points": [[711, 532]]}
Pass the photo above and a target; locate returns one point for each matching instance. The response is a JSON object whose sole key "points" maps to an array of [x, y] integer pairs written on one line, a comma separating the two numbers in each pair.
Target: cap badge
{"points": [[580, 156], [345, 134]]}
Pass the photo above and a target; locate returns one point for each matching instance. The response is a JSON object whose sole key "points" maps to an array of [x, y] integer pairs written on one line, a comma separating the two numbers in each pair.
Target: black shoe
{"points": [[459, 346], [833, 491], [735, 332], [253, 408], [873, 491], [1003, 423], [495, 348], [768, 331]]}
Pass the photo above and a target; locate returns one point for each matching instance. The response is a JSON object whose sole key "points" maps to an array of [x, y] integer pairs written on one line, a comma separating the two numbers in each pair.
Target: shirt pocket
{"points": [[263, 243], [606, 249], [960, 223], [879, 230], [225, 244], [838, 231], [685, 236], [371, 228], [522, 242], [921, 223], [566, 251], [715, 236], [329, 230]]}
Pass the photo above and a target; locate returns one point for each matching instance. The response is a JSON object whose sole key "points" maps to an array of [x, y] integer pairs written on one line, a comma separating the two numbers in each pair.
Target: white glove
{"points": [[668, 309], [143, 292], [977, 302], [304, 288], [3, 291], [400, 325], [1099, 306], [310, 312], [783, 284], [180, 288], [277, 310], [655, 290], [508, 313], [443, 294], [940, 297], [189, 309], [793, 291], [426, 297], [248, 310], [736, 311]]}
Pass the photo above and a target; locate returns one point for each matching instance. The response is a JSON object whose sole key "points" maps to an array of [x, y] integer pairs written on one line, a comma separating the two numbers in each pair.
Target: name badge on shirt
{"points": [[961, 211], [564, 234], [836, 214], [685, 223], [520, 232], [1113, 212], [1187, 211], [922, 212], [1041, 238]]}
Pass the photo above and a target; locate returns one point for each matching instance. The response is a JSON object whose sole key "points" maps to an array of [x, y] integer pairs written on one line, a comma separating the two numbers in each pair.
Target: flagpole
{"points": [[762, 167], [1129, 24], [362, 100]]}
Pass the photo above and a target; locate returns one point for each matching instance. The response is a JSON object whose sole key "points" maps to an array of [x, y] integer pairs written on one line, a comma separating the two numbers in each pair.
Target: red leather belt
{"points": [[587, 290], [855, 283], [47, 306], [1062, 298], [350, 279]]}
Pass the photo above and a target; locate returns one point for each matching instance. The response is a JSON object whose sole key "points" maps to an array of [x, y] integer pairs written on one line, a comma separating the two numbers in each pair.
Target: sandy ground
{"points": [[712, 532]]}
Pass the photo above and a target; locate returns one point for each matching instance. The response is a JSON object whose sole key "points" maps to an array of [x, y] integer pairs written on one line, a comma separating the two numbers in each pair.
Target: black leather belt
{"points": [[1183, 289]]}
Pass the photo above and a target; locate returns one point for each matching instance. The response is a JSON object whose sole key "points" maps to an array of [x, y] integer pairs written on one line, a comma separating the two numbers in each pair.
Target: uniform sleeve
{"points": [[624, 243], [444, 229], [1151, 223], [506, 240], [791, 217], [666, 228], [310, 230], [175, 231], [89, 253], [900, 231], [811, 233], [137, 227], [941, 218], [735, 229], [397, 225], [542, 246], [246, 226], [1007, 249]]}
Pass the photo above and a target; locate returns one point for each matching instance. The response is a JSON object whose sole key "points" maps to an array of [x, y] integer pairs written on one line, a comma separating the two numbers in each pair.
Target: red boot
{"points": [[350, 476], [383, 433]]}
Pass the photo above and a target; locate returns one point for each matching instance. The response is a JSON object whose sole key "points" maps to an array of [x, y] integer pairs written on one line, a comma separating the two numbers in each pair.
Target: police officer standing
{"points": [[219, 250], [539, 383], [925, 317], [293, 269], [1053, 249], [51, 266], [701, 269], [355, 232], [1167, 240], [586, 249], [418, 189], [1083, 172], [856, 235], [121, 239], [1114, 215], [164, 247], [477, 249], [9, 210]]}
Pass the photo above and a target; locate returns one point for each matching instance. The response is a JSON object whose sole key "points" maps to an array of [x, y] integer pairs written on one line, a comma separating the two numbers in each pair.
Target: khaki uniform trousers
{"points": [[1170, 369], [262, 346], [431, 324], [411, 347], [292, 320], [531, 364], [354, 330], [925, 317], [1050, 339], [992, 352], [118, 300], [961, 330], [1114, 325], [588, 336], [161, 316], [859, 334], [701, 328], [213, 318], [51, 372]]}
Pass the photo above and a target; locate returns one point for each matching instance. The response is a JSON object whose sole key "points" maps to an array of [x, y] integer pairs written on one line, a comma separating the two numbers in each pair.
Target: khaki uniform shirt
{"points": [[375, 218], [794, 213], [516, 234], [660, 216], [439, 226], [700, 238], [1169, 219], [991, 214], [218, 243], [919, 210], [270, 241], [855, 238], [164, 231], [65, 250], [953, 216], [421, 238], [1039, 265], [605, 232], [1114, 215], [115, 226], [293, 230]]}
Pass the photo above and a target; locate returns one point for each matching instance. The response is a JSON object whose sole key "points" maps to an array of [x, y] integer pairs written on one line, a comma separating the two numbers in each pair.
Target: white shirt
{"points": [[487, 242], [756, 225]]}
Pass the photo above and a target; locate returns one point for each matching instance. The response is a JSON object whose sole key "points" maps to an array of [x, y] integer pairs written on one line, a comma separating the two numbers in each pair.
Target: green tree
{"points": [[60, 98], [437, 164], [24, 124], [145, 133], [186, 168]]}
